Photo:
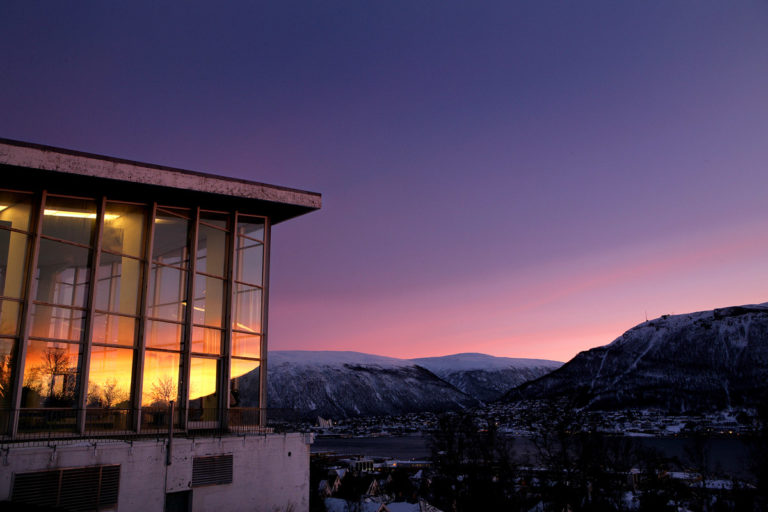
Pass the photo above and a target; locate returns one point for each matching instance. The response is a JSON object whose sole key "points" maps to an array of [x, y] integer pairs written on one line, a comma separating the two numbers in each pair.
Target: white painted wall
{"points": [[265, 477]]}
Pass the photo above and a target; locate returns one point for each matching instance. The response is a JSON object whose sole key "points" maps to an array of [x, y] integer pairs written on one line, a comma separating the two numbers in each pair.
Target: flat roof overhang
{"points": [[25, 164]]}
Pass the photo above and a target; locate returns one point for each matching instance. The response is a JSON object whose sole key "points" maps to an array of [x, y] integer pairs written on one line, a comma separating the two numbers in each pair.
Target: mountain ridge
{"points": [[695, 361], [346, 383]]}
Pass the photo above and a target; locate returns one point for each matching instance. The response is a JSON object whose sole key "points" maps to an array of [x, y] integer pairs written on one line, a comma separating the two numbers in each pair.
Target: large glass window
{"points": [[15, 224], [15, 210], [13, 263], [114, 329], [69, 219], [206, 341], [245, 383], [167, 293], [249, 268], [211, 250], [117, 284], [62, 274], [209, 301], [247, 311], [124, 231], [52, 322], [9, 317], [211, 267], [109, 377], [161, 378], [171, 233], [7, 347], [50, 374], [203, 383], [164, 335], [204, 281], [58, 310], [246, 345]]}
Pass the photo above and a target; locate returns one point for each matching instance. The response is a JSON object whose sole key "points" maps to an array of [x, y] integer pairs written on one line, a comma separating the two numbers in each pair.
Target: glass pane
{"points": [[161, 379], [163, 335], [249, 261], [118, 330], [167, 293], [246, 344], [203, 376], [206, 341], [211, 251], [209, 304], [15, 210], [6, 367], [203, 398], [117, 284], [124, 227], [252, 227], [62, 274], [9, 318], [69, 219], [244, 383], [170, 242], [109, 377], [13, 263], [247, 309], [217, 219], [50, 374], [57, 323]]}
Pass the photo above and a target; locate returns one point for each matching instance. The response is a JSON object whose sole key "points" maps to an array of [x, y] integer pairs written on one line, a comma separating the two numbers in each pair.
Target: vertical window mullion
{"points": [[139, 343], [21, 348], [186, 345], [264, 309], [85, 358]]}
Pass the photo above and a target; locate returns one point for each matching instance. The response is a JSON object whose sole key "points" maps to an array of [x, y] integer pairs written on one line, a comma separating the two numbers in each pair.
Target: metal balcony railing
{"points": [[46, 426]]}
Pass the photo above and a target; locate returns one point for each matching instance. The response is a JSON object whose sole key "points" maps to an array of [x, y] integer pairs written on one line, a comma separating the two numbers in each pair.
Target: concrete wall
{"points": [[270, 472]]}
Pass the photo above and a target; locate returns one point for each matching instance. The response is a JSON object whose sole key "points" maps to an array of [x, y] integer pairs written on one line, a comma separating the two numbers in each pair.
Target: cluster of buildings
{"points": [[133, 337], [362, 483], [525, 418], [374, 426]]}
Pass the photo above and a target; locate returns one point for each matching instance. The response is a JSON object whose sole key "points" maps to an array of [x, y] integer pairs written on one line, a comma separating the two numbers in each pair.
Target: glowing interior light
{"points": [[245, 328], [3, 207], [77, 215]]}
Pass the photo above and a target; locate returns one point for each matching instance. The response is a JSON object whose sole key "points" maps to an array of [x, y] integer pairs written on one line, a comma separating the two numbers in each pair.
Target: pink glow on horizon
{"points": [[516, 178], [552, 311]]}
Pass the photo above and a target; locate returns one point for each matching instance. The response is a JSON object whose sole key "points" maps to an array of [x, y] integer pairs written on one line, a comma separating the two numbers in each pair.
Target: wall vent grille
{"points": [[214, 470], [76, 489]]}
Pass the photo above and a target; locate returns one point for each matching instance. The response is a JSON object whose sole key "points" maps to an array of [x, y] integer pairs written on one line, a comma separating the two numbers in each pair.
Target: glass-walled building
{"points": [[125, 287]]}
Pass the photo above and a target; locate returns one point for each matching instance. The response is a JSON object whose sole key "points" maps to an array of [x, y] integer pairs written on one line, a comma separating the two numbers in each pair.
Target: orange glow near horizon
{"points": [[551, 311]]}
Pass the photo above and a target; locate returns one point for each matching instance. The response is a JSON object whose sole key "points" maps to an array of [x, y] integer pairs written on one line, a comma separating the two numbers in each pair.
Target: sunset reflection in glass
{"points": [[141, 309]]}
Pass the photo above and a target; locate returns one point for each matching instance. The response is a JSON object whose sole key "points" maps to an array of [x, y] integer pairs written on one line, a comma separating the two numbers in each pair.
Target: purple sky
{"points": [[525, 179]]}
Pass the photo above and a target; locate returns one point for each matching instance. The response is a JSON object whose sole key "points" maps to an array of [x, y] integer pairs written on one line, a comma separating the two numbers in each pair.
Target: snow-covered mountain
{"points": [[696, 361], [485, 377], [343, 384]]}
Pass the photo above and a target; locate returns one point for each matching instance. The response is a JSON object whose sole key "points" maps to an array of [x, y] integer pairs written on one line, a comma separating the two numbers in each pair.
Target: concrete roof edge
{"points": [[37, 156]]}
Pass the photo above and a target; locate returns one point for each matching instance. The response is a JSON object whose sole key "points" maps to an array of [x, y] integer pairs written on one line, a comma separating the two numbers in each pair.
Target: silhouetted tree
{"points": [[473, 465], [163, 390]]}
